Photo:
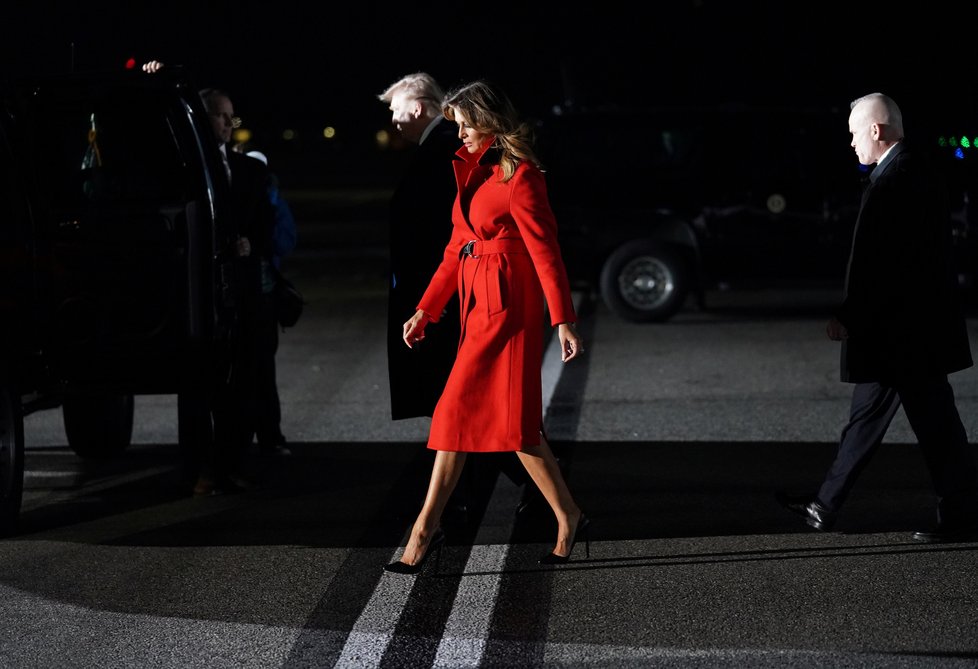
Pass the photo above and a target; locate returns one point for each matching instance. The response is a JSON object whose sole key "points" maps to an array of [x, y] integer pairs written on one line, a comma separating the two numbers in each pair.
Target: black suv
{"points": [[657, 205], [115, 274]]}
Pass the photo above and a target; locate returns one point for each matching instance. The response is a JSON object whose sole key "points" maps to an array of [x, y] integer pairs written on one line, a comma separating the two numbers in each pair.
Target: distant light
{"points": [[131, 63], [241, 135], [965, 143], [959, 154], [329, 132], [383, 139], [954, 141], [288, 134], [942, 141]]}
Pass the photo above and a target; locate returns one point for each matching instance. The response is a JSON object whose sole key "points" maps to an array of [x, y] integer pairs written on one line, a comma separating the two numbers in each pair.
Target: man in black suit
{"points": [[420, 227], [235, 404], [901, 328], [226, 434]]}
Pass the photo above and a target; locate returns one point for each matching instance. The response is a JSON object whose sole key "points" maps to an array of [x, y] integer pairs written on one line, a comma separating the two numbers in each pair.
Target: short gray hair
{"points": [[890, 112], [420, 85], [209, 95]]}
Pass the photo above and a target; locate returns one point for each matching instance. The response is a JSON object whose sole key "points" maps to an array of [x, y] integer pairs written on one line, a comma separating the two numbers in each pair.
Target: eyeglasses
{"points": [[235, 121]]}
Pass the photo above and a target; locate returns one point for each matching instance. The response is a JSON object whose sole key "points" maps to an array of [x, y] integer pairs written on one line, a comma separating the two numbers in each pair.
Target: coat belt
{"points": [[477, 247]]}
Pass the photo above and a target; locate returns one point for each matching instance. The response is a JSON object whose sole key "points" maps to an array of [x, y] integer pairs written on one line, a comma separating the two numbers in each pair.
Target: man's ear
{"points": [[876, 131], [418, 109]]}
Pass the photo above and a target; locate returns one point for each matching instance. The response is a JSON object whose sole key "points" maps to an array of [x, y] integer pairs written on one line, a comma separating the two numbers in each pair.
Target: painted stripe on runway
{"points": [[552, 365], [374, 629], [467, 629], [39, 474]]}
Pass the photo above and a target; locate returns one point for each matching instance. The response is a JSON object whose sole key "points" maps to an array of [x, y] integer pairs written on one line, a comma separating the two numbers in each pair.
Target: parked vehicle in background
{"points": [[114, 276], [659, 205]]}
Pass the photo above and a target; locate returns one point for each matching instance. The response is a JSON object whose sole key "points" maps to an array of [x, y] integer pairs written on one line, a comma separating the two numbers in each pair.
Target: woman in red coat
{"points": [[504, 262]]}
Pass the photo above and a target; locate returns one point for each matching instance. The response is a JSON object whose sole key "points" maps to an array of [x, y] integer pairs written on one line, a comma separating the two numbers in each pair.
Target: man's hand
{"points": [[836, 330]]}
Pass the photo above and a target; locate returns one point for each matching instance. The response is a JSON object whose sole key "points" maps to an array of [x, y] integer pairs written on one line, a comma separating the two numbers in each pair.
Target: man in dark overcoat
{"points": [[901, 327], [420, 227]]}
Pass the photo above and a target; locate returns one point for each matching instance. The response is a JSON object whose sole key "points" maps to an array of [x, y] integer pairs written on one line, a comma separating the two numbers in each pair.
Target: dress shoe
{"points": [[582, 530], [274, 450], [948, 533], [814, 514], [206, 487], [531, 504], [434, 546]]}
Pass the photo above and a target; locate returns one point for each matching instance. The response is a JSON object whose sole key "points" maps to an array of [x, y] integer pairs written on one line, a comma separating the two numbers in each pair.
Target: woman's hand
{"points": [[414, 328], [571, 344]]}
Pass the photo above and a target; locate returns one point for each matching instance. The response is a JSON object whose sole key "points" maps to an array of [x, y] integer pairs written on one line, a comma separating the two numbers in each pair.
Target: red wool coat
{"points": [[493, 398]]}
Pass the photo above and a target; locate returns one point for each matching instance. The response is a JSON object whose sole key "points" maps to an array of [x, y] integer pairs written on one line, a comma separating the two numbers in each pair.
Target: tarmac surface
{"points": [[673, 438]]}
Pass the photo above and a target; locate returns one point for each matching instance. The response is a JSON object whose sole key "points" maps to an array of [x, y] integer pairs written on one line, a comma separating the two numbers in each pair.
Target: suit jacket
{"points": [[420, 226], [901, 304], [254, 218]]}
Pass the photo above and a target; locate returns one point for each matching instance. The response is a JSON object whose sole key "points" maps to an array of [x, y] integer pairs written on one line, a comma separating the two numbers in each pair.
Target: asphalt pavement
{"points": [[673, 438]]}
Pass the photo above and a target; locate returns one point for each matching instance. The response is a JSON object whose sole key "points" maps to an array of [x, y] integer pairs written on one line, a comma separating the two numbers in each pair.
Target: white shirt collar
{"points": [[427, 131], [887, 152]]}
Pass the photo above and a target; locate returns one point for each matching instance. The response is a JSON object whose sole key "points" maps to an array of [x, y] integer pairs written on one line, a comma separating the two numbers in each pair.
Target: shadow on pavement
{"points": [[367, 494]]}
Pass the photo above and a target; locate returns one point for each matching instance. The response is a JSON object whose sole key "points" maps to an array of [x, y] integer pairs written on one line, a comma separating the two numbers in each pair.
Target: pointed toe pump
{"points": [[434, 546], [581, 532]]}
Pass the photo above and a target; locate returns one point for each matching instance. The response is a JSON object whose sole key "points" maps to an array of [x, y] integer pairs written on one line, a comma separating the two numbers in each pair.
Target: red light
{"points": [[131, 63]]}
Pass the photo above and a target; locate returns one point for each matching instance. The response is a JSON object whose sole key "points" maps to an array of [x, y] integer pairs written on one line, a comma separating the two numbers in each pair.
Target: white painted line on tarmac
{"points": [[552, 366], [374, 629], [467, 629]]}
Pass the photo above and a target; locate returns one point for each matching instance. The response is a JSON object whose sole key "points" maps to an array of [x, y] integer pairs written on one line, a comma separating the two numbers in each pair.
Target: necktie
{"points": [[227, 166]]}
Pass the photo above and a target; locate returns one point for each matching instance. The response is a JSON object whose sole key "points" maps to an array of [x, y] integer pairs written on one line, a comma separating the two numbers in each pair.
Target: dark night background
{"points": [[312, 64]]}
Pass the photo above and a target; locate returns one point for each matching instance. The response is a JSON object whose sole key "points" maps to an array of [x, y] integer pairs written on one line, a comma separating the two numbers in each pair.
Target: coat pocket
{"points": [[497, 290]]}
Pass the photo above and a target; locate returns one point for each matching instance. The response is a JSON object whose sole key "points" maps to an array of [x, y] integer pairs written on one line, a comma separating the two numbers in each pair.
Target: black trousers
{"points": [[267, 405], [933, 416]]}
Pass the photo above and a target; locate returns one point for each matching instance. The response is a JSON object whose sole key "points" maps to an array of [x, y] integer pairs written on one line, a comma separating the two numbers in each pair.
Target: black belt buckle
{"points": [[468, 248]]}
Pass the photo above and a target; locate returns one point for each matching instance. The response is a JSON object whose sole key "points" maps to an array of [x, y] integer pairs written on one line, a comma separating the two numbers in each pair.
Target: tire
{"points": [[11, 458], [644, 281], [98, 426]]}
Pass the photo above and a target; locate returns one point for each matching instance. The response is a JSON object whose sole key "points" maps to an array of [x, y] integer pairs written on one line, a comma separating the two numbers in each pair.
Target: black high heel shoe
{"points": [[434, 546], [581, 531]]}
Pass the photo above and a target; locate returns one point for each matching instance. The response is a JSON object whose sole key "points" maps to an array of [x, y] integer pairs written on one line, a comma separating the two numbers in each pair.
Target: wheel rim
{"points": [[646, 283]]}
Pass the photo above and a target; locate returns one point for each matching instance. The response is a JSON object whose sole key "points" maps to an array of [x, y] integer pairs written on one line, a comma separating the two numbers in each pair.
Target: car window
{"points": [[107, 147]]}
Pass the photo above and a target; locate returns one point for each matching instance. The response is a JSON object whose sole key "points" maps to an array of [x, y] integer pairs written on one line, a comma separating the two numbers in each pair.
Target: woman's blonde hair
{"points": [[488, 110]]}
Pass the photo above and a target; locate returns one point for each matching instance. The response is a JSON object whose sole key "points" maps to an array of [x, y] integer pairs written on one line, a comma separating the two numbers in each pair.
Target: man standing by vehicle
{"points": [[234, 398]]}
